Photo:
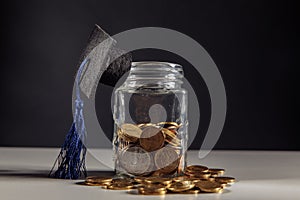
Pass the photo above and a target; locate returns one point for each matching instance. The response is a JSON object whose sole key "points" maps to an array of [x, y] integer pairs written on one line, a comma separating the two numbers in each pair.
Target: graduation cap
{"points": [[99, 52]]}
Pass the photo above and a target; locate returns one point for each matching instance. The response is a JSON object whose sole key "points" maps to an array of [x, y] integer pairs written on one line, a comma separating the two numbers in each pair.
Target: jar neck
{"points": [[151, 74]]}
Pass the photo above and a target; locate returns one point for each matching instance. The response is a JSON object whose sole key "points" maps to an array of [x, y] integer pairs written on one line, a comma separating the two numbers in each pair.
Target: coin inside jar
{"points": [[152, 138], [135, 160], [131, 132], [171, 137], [166, 160], [168, 124]]}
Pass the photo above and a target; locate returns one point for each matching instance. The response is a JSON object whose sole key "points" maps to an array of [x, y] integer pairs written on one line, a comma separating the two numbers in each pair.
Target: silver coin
{"points": [[135, 160]]}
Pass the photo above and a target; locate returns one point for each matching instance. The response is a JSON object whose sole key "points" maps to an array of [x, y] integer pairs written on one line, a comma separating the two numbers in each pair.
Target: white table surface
{"points": [[260, 175]]}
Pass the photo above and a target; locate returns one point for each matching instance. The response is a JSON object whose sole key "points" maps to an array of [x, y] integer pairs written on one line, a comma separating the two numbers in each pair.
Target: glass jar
{"points": [[150, 116]]}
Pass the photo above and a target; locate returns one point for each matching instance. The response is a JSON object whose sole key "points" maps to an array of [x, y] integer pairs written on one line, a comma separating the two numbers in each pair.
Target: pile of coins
{"points": [[148, 148], [197, 179]]}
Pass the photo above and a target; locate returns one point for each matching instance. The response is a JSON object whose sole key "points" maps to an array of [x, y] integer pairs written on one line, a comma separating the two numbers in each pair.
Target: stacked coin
{"points": [[149, 149], [193, 182], [97, 181]]}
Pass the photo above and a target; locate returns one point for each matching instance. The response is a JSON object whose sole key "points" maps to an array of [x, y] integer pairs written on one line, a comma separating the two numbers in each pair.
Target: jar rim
{"points": [[151, 65]]}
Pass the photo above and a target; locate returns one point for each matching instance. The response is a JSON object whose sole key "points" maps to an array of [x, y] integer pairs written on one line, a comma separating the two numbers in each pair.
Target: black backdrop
{"points": [[253, 43]]}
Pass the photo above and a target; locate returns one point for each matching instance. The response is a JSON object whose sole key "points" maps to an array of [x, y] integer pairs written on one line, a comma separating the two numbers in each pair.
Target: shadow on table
{"points": [[45, 173]]}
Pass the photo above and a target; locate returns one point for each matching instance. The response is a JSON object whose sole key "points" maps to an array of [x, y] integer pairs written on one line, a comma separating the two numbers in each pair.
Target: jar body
{"points": [[150, 119]]}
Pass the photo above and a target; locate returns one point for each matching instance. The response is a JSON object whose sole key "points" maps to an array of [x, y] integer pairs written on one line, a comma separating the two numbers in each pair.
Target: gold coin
{"points": [[181, 186], [224, 185], [166, 124], [131, 130], [142, 126], [151, 192], [115, 186], [158, 173], [223, 179], [173, 127], [209, 186], [197, 168], [201, 175], [153, 187], [216, 172], [194, 179], [152, 138], [173, 140], [124, 139], [121, 181], [135, 160], [154, 180], [191, 191], [185, 178], [139, 179], [181, 178], [171, 137], [211, 178], [174, 131], [174, 143], [166, 160], [97, 179], [97, 184], [91, 184], [169, 133]]}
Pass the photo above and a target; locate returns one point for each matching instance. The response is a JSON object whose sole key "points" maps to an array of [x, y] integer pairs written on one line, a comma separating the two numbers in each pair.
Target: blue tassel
{"points": [[71, 159]]}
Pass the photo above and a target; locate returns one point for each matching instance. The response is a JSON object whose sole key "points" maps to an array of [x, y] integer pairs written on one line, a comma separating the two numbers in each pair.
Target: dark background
{"points": [[253, 43]]}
